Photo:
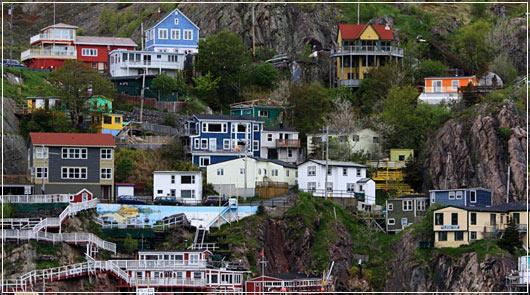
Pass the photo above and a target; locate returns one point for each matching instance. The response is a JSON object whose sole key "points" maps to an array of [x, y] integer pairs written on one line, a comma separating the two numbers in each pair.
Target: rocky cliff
{"points": [[441, 272], [477, 148], [14, 149]]}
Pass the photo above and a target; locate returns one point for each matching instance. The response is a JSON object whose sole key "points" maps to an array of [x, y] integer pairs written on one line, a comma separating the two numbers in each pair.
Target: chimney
{"points": [[387, 27]]}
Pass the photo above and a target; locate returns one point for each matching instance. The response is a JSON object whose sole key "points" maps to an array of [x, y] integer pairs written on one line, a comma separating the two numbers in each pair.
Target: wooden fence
{"points": [[267, 189]]}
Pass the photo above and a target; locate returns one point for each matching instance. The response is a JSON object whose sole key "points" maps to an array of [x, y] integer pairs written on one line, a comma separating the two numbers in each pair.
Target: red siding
{"points": [[79, 196], [103, 53], [44, 63]]}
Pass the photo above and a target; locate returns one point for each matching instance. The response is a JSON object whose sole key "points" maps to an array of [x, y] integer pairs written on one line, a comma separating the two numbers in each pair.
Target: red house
{"points": [[81, 196], [59, 42]]}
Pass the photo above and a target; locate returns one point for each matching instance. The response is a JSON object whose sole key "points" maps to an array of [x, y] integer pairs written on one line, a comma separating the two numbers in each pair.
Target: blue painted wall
{"points": [[483, 198], [169, 23]]}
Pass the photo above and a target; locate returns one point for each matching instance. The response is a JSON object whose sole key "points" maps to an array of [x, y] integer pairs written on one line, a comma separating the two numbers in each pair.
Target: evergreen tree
{"points": [[510, 239]]}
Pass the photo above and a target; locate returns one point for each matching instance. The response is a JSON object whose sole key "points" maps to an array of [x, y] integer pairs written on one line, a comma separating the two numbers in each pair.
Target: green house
{"points": [[272, 115], [100, 104]]}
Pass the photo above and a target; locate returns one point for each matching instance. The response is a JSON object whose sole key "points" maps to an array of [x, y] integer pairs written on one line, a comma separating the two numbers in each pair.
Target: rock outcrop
{"points": [[476, 150], [15, 149]]}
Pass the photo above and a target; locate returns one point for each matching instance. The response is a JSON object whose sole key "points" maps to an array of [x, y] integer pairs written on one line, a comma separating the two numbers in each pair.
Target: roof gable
{"points": [[71, 139], [172, 13], [354, 31]]}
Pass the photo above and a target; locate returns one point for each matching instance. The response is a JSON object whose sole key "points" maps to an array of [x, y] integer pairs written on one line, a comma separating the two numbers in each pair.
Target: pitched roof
{"points": [[226, 117], [112, 41], [169, 14], [460, 189], [284, 129], [363, 180], [278, 162], [71, 139], [60, 25], [354, 31], [337, 163]]}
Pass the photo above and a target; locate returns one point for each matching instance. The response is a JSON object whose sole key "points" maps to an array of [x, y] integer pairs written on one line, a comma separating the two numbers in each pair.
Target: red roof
{"points": [[354, 31], [71, 139]]}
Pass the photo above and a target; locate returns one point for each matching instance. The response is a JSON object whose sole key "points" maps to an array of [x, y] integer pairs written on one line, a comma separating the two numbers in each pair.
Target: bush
{"points": [[129, 244], [503, 67], [264, 75]]}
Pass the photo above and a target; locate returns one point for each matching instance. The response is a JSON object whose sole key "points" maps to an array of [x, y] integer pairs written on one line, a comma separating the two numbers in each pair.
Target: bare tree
{"points": [[343, 119]]}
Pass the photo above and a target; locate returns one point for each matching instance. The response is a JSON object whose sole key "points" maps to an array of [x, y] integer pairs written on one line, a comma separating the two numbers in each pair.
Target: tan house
{"points": [[454, 226]]}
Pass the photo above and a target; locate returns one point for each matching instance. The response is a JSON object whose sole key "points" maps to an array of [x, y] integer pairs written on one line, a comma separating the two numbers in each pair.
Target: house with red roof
{"points": [[63, 163], [59, 42], [362, 47]]}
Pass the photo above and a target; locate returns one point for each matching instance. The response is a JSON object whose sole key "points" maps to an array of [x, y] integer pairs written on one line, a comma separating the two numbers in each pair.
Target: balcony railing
{"points": [[176, 65], [369, 49], [440, 90], [51, 37], [287, 143], [69, 53], [387, 164], [350, 83]]}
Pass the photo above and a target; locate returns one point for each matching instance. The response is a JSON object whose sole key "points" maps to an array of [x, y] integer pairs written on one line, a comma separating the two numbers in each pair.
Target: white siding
{"points": [[162, 185]]}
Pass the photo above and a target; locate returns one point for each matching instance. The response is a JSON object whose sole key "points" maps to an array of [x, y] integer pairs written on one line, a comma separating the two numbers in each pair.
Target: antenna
{"points": [[54, 14], [358, 12]]}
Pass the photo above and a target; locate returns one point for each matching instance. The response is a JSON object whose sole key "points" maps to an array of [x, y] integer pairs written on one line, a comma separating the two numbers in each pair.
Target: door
{"points": [[147, 59], [212, 145], [437, 85]]}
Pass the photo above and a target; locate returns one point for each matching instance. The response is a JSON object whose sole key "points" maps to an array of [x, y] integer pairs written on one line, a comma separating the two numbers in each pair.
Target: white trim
{"points": [[172, 13], [393, 221], [74, 167], [101, 154], [109, 173], [93, 52], [174, 31], [159, 31], [76, 148], [201, 161]]}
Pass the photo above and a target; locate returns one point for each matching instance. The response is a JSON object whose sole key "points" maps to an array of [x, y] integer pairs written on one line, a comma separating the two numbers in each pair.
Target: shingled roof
{"points": [[111, 41], [354, 31], [71, 139]]}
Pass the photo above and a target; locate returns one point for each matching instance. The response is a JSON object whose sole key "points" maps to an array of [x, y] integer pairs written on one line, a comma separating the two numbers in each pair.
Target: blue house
{"points": [[470, 197], [218, 138], [173, 33]]}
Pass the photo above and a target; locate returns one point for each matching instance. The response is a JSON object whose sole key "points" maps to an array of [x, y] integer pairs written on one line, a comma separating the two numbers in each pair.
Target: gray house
{"points": [[70, 162], [404, 211]]}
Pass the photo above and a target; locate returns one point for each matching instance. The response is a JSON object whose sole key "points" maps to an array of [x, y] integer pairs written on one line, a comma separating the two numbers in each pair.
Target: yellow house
{"points": [[401, 155], [107, 123], [455, 226], [361, 47]]}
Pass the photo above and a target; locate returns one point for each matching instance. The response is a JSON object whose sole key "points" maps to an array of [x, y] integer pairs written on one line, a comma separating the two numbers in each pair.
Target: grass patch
{"points": [[34, 84], [481, 247], [43, 264]]}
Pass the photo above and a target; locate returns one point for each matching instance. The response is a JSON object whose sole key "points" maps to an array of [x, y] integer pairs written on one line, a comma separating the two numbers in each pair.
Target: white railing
{"points": [[440, 89], [370, 49], [33, 199], [51, 37], [203, 246], [387, 164], [159, 264], [168, 282], [152, 64], [70, 53]]}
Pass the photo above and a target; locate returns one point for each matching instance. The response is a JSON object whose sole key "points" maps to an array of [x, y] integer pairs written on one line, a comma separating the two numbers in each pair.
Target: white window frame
{"points": [[197, 143], [226, 144], [471, 238], [421, 205], [459, 195], [190, 32], [220, 171], [204, 143], [404, 221], [437, 89], [105, 173], [311, 170], [390, 207], [40, 152], [453, 84], [41, 171], [391, 221], [471, 193], [160, 34], [202, 160], [358, 172], [192, 196], [106, 154], [344, 171], [89, 52], [206, 127], [172, 178], [255, 145], [68, 174], [350, 187], [274, 172], [269, 137], [71, 154], [451, 195], [263, 113], [192, 180], [255, 127], [175, 34], [289, 152], [241, 171], [311, 186], [408, 205], [176, 21]]}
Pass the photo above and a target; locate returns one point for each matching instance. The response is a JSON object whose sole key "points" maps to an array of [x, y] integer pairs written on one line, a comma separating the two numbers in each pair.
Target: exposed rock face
{"points": [[477, 151], [15, 150], [444, 273]]}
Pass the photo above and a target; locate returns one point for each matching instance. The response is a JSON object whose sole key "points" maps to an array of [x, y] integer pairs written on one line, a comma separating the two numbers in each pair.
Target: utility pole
{"points": [[142, 33], [10, 12], [358, 12], [327, 166], [508, 186], [253, 32]]}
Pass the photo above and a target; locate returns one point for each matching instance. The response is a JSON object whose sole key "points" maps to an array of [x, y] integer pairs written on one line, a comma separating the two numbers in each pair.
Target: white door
{"points": [[212, 144], [437, 86]]}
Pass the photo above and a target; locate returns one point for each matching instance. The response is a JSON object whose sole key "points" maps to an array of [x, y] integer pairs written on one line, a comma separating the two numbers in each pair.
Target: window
{"points": [[42, 172], [204, 143], [259, 171], [176, 21], [262, 113], [455, 84], [404, 221], [390, 207], [442, 236], [220, 171], [407, 205], [451, 195], [344, 171], [117, 120], [226, 144], [241, 171], [329, 186], [188, 34], [437, 86], [196, 142], [73, 172], [350, 187], [459, 236], [187, 179], [355, 137], [162, 33], [274, 172], [376, 139], [214, 127], [74, 153], [473, 235], [358, 172], [472, 196], [204, 161], [107, 119], [391, 221], [454, 218], [493, 219], [459, 195], [197, 275], [40, 152], [264, 171], [255, 127], [255, 145], [311, 186], [172, 178], [361, 189], [187, 193], [311, 171], [172, 192], [289, 153], [516, 218], [173, 58], [420, 205], [330, 172], [473, 218], [106, 173], [159, 191], [401, 157], [438, 219], [269, 137], [175, 34], [106, 154], [89, 52], [287, 172]]}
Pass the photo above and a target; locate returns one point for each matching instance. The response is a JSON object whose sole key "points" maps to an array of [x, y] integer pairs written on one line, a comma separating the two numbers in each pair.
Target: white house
{"points": [[281, 143], [229, 177], [125, 63], [364, 140], [344, 180], [185, 186], [124, 189]]}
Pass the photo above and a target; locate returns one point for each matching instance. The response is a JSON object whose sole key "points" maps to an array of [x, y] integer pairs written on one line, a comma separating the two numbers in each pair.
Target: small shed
{"points": [[124, 189], [82, 196]]}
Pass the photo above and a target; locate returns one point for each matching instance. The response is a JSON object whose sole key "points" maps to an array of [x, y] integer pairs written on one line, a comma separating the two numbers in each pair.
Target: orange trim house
{"points": [[445, 89]]}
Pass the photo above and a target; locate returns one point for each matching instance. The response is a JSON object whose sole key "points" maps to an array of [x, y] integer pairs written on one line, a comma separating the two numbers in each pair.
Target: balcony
{"points": [[287, 143], [350, 83], [52, 38], [59, 53], [368, 50], [387, 164], [170, 65]]}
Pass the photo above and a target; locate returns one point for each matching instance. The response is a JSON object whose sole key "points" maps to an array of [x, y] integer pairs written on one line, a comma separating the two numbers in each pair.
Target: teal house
{"points": [[100, 104], [271, 114]]}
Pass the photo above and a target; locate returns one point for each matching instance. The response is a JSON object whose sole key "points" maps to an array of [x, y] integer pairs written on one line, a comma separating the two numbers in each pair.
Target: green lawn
{"points": [[34, 84]]}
